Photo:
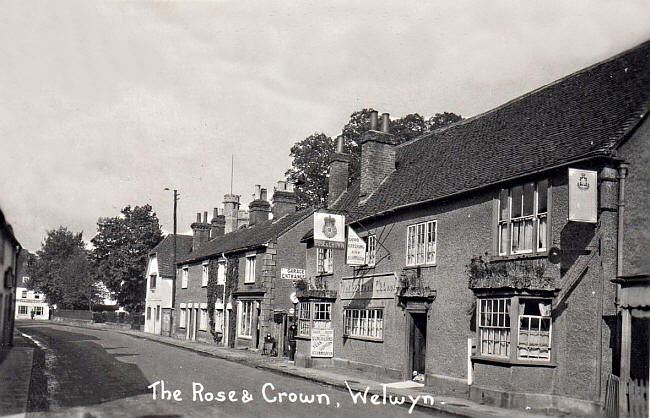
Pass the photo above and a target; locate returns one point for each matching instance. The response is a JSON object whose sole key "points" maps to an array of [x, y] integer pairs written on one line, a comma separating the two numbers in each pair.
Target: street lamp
{"points": [[171, 312]]}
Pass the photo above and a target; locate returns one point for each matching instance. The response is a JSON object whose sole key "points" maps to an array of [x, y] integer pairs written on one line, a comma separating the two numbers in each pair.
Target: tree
{"points": [[310, 157], [122, 246], [61, 270]]}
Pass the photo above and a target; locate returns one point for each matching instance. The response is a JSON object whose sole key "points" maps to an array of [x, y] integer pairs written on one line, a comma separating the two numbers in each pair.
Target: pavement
{"points": [[15, 375], [336, 378]]}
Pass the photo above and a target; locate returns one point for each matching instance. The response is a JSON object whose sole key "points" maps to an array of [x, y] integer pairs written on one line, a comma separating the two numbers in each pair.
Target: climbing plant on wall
{"points": [[212, 292]]}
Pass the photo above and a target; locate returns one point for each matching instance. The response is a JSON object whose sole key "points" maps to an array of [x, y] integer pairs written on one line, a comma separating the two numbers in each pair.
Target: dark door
{"points": [[418, 341]]}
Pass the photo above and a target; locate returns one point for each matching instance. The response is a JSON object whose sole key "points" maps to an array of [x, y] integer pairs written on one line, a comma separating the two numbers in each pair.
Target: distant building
{"points": [[9, 250], [28, 301], [160, 274]]}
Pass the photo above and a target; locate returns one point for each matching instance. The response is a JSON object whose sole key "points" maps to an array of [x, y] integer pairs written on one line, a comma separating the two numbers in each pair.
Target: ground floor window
{"points": [[365, 323], [218, 320], [314, 315], [203, 324], [38, 310], [182, 319], [522, 322], [22, 309], [245, 319], [304, 319], [148, 312]]}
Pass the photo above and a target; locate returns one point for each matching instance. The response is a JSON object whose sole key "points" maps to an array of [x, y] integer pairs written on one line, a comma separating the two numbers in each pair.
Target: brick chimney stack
{"points": [[218, 224], [338, 173], [284, 199], [201, 231], [231, 212], [377, 155], [259, 208]]}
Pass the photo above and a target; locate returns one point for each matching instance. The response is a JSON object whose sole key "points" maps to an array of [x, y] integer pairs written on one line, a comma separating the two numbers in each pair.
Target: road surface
{"points": [[103, 373]]}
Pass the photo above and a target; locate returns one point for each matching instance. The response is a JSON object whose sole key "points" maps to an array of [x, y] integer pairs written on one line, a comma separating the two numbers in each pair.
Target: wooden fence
{"points": [[635, 392]]}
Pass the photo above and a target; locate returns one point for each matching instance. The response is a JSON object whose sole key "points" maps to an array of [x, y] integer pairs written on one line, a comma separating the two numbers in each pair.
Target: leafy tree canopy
{"points": [[309, 168], [122, 245], [61, 270]]}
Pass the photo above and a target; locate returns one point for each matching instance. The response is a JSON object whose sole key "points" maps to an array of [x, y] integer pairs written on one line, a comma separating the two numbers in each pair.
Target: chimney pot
{"points": [[373, 120], [257, 192], [215, 213], [205, 217], [263, 194], [198, 217], [385, 123], [339, 145]]}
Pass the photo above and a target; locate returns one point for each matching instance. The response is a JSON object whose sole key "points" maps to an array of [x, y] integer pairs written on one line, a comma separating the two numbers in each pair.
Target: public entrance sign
{"points": [[322, 342], [583, 195], [356, 249], [329, 230]]}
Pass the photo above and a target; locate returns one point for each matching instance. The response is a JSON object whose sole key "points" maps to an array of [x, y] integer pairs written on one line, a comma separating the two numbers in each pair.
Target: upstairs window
{"points": [[523, 219], [152, 281], [221, 273], [23, 294], [324, 261], [421, 243], [204, 274], [250, 269], [371, 252], [184, 277]]}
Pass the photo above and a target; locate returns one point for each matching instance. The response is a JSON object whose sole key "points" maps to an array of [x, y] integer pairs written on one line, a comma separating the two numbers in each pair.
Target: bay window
{"points": [[421, 243], [523, 219], [519, 321], [314, 315]]}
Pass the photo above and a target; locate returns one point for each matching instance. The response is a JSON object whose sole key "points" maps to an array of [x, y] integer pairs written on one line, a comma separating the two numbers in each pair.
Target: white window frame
{"points": [[182, 318], [314, 315], [152, 281], [304, 319], [185, 273], [531, 331], [364, 323], [148, 312], [20, 309], [324, 261], [420, 250], [218, 319], [371, 250], [204, 274], [23, 294], [489, 328], [221, 273], [540, 220], [203, 320], [245, 312], [38, 311], [251, 261]]}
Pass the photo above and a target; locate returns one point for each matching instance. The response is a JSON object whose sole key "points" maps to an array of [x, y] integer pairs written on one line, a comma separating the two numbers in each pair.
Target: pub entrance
{"points": [[418, 342]]}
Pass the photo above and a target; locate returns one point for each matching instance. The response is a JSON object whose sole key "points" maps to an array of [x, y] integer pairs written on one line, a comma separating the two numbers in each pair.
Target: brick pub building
{"points": [[475, 277]]}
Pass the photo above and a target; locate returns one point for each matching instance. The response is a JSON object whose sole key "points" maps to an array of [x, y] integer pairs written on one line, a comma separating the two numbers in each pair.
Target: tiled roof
{"points": [[164, 252], [249, 237], [584, 114]]}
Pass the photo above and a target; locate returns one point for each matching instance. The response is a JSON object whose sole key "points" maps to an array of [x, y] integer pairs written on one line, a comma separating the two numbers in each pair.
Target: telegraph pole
{"points": [[171, 312]]}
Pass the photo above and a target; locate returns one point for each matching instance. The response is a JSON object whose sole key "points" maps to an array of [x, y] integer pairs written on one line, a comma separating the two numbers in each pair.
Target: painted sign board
{"points": [[329, 230], [292, 273], [373, 287], [356, 249], [322, 342], [583, 195]]}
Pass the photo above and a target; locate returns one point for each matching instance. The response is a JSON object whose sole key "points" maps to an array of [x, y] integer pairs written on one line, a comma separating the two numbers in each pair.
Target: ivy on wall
{"points": [[516, 274], [215, 290], [232, 278], [212, 292]]}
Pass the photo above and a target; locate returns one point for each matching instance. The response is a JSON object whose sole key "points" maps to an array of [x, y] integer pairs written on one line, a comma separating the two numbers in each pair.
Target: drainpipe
{"points": [[622, 173], [625, 331]]}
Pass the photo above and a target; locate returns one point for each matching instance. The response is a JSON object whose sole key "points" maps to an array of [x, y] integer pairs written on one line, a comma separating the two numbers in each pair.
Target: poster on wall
{"points": [[583, 196], [329, 230], [356, 249], [322, 342]]}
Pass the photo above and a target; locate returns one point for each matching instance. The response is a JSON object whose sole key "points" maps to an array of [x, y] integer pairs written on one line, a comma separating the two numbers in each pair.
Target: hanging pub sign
{"points": [[583, 196], [329, 230], [356, 249]]}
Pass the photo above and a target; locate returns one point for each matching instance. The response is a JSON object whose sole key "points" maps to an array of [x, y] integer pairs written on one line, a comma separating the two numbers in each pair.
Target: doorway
{"points": [[418, 342]]}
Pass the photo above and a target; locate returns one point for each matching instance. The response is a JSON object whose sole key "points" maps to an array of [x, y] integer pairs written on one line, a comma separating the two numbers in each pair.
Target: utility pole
{"points": [[171, 312]]}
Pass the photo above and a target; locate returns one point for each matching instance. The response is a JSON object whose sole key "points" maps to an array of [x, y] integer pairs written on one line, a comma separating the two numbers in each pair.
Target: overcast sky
{"points": [[104, 104]]}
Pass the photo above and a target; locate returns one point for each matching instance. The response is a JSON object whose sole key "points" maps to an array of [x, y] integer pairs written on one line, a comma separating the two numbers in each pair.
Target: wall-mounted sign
{"points": [[373, 287], [322, 342], [583, 195], [356, 249], [329, 230], [291, 273]]}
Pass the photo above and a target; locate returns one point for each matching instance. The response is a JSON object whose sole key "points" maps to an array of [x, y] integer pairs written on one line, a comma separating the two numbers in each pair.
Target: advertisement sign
{"points": [[372, 287], [322, 342], [356, 249], [291, 273], [329, 230], [583, 195]]}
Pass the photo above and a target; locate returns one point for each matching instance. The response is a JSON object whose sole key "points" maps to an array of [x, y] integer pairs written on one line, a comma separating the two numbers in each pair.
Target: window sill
{"points": [[325, 274], [370, 339], [508, 362], [526, 256], [244, 337], [303, 337], [420, 266]]}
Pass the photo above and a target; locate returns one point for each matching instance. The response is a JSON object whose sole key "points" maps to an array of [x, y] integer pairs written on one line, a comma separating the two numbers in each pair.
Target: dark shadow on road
{"points": [[78, 371]]}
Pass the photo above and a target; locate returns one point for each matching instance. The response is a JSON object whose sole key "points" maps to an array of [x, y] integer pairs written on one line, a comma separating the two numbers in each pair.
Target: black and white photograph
{"points": [[264, 208]]}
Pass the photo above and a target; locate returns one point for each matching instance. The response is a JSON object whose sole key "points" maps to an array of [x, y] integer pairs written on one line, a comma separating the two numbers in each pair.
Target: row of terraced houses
{"points": [[478, 278]]}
